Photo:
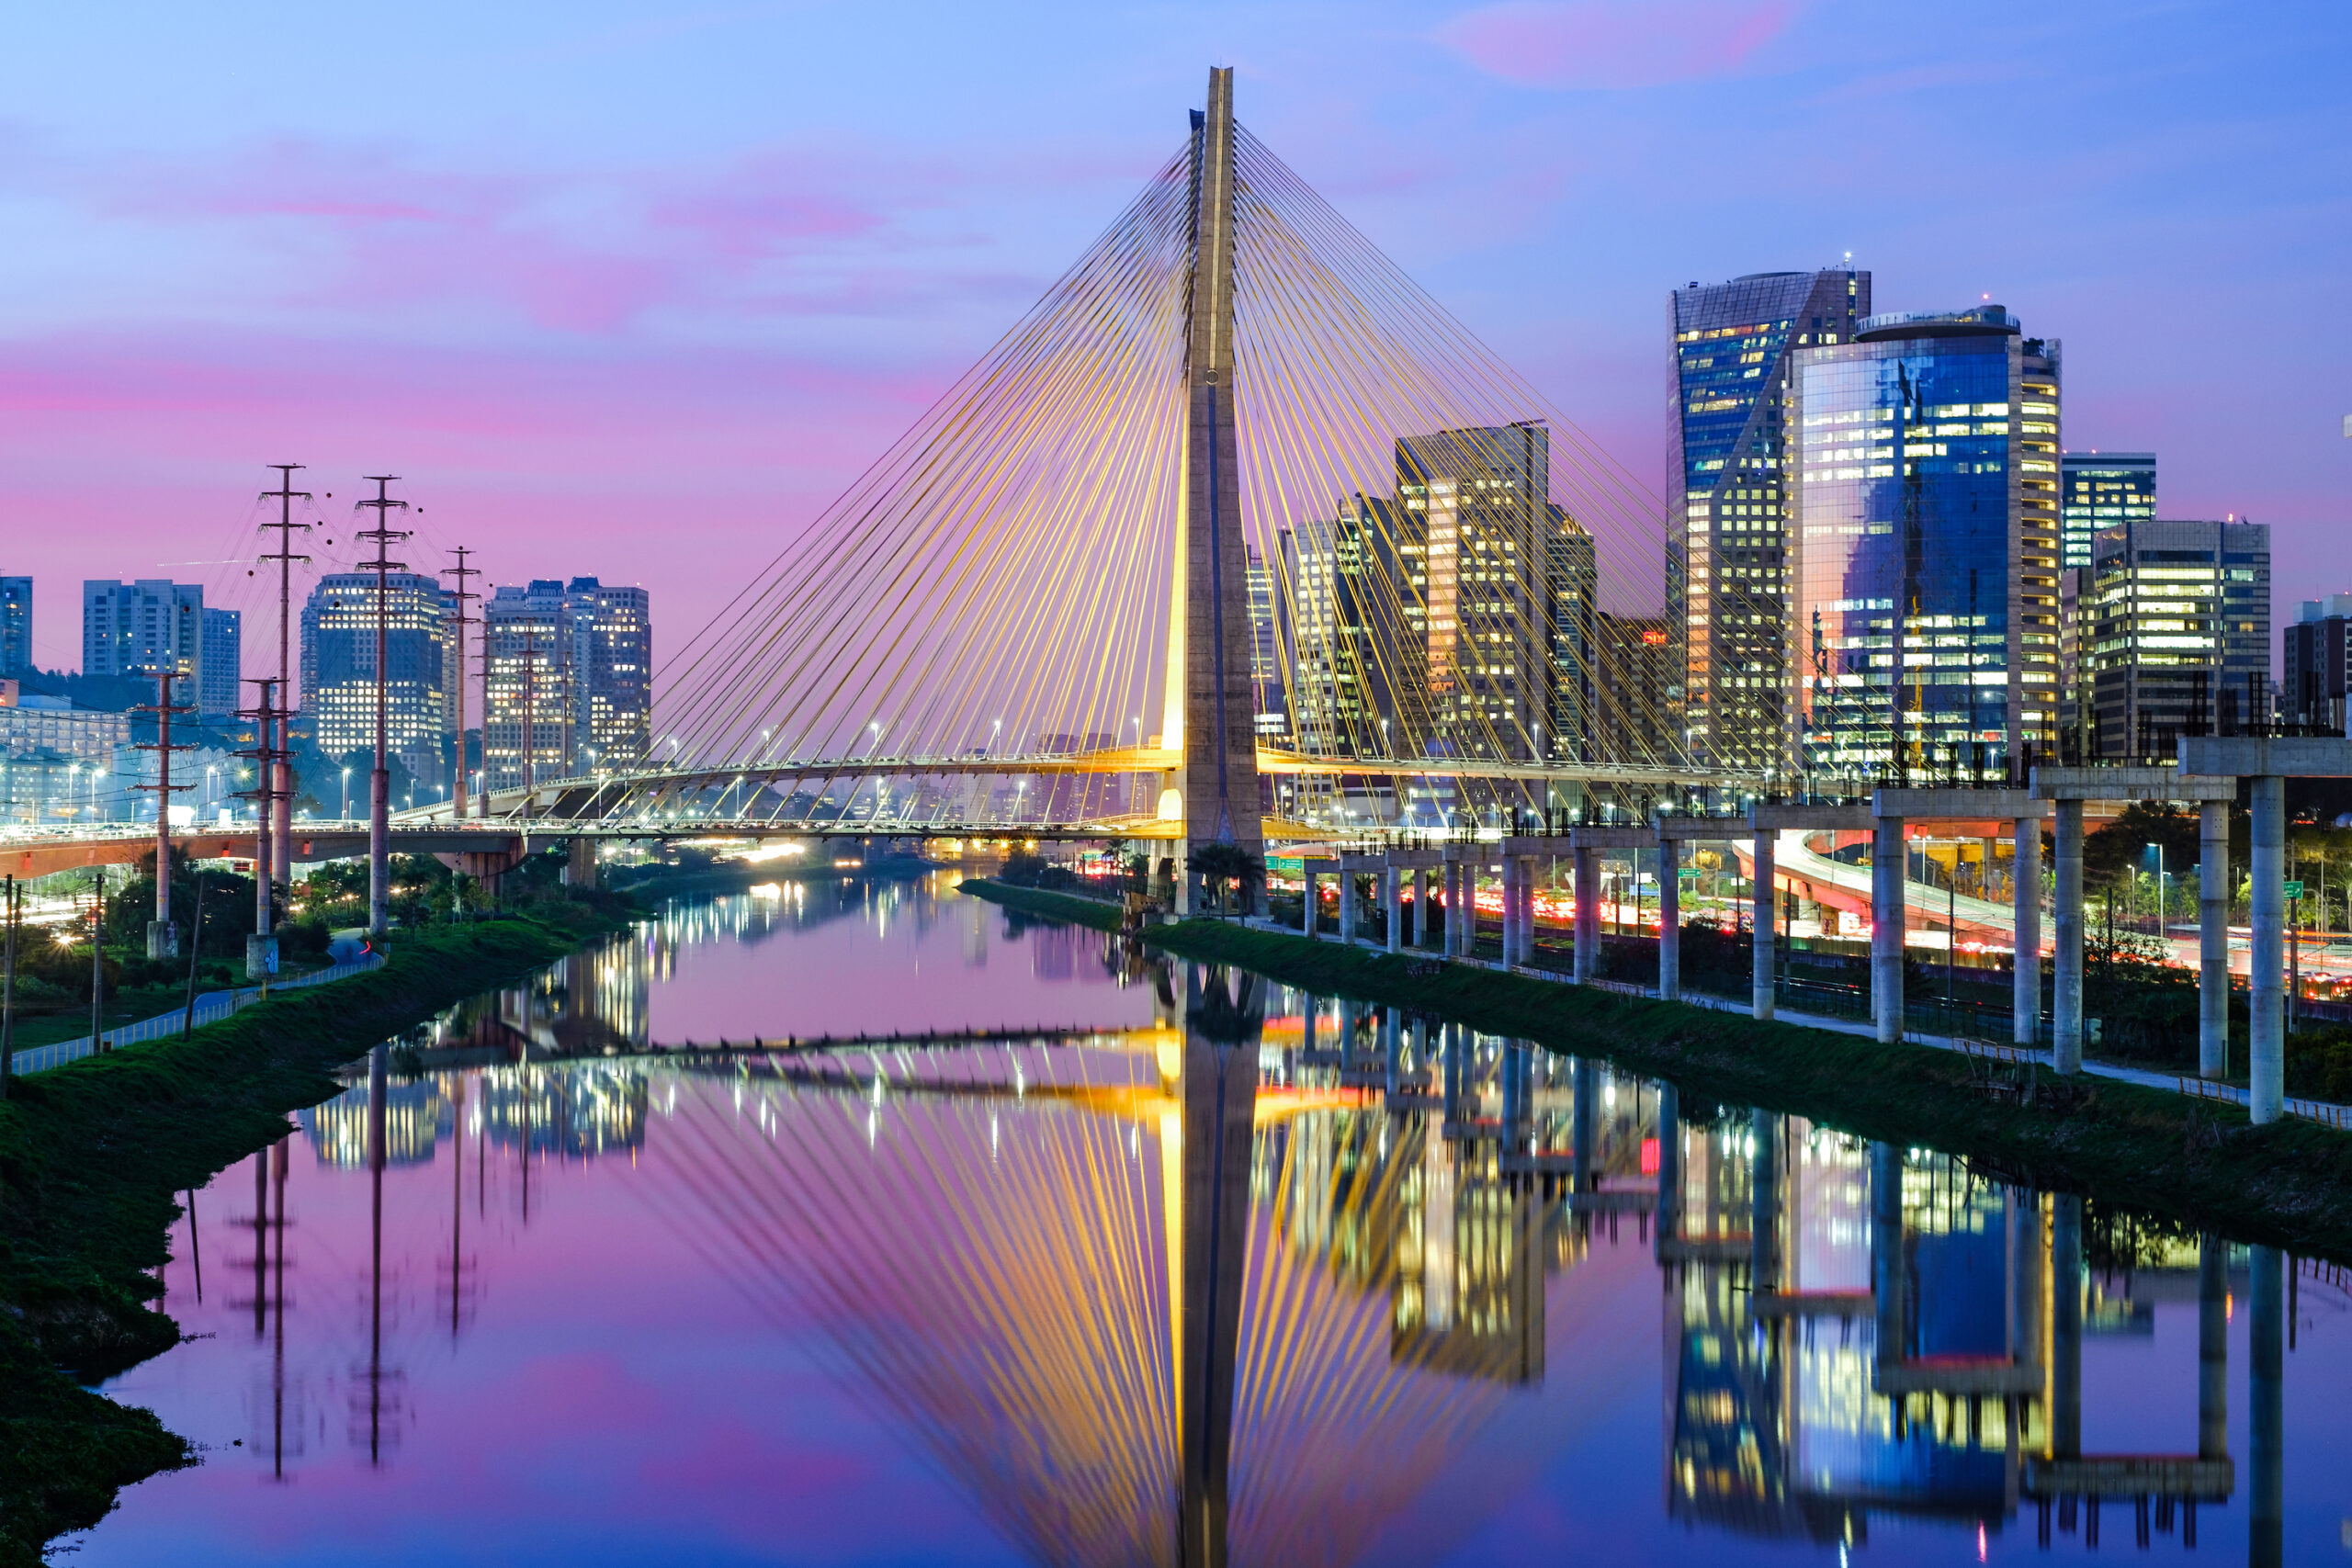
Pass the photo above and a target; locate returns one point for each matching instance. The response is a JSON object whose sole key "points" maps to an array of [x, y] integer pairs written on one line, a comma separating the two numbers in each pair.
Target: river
{"points": [[1079, 1260]]}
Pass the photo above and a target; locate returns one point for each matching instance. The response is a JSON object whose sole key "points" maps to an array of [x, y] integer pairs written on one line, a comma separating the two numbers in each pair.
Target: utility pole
{"points": [[12, 903], [162, 940], [481, 802], [261, 948], [380, 779], [281, 778], [462, 571], [98, 957]]}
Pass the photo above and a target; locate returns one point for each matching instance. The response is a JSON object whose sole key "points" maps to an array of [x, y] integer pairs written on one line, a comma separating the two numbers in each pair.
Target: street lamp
{"points": [[2158, 851]]}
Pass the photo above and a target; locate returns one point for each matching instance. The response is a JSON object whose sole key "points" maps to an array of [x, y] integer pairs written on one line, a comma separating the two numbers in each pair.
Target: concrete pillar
{"points": [[2025, 995], [2066, 962], [2266, 1032], [2066, 1326], [2212, 1347], [1670, 919], [1888, 1268], [1347, 906], [1392, 898], [1767, 930], [1511, 910], [2265, 1342], [2213, 940], [1424, 927], [580, 862], [1588, 927], [1306, 910], [1347, 1030], [1887, 851], [1527, 910]]}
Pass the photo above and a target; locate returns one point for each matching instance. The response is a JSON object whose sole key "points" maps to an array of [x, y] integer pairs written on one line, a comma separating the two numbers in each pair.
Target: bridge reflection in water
{"points": [[1243, 1284]]}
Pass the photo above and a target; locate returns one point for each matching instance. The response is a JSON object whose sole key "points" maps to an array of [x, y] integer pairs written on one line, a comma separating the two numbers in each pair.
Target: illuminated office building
{"points": [[16, 625], [2176, 634], [2101, 489], [220, 664], [1923, 487], [338, 675], [1728, 548]]}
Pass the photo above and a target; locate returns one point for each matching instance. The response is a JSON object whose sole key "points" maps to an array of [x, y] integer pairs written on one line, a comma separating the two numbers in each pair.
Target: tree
{"points": [[1227, 866]]}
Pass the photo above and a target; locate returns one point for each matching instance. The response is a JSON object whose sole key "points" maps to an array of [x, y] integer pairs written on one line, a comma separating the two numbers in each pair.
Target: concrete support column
{"points": [[1767, 930], [2267, 1029], [1888, 848], [2025, 996], [1670, 919], [1347, 906], [1527, 910], [2212, 1347], [1392, 897], [1449, 939], [1588, 927], [2213, 940], [2266, 1343], [2066, 962], [1511, 910], [1764, 1202], [1307, 911], [1424, 927]]}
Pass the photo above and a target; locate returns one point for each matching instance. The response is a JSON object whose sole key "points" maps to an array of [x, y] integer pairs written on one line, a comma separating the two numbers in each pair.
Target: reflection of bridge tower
{"points": [[1220, 1086], [1209, 632]]}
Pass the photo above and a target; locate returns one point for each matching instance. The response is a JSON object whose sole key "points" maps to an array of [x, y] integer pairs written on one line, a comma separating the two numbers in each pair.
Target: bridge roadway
{"points": [[641, 795]]}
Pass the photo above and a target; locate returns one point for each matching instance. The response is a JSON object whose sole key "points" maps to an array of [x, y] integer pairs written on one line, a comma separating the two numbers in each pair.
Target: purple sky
{"points": [[632, 290]]}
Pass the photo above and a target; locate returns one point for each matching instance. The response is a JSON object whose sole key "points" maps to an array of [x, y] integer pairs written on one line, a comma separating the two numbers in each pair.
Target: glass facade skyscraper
{"points": [[1925, 491], [16, 625], [2101, 489], [338, 671], [1727, 546]]}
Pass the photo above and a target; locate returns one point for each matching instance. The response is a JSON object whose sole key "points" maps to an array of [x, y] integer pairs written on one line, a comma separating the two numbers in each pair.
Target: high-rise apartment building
{"points": [[529, 729], [2101, 489], [1727, 545], [1476, 504], [138, 628], [1924, 490], [1273, 716], [2176, 633], [220, 664], [338, 674], [16, 625], [1355, 618], [611, 672]]}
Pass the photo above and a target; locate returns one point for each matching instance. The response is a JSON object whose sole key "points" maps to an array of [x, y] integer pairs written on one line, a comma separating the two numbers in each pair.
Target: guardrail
{"points": [[211, 1007]]}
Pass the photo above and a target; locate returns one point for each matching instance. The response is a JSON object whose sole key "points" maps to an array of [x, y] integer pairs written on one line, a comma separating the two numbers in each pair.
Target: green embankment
{"points": [[2201, 1164], [93, 1158]]}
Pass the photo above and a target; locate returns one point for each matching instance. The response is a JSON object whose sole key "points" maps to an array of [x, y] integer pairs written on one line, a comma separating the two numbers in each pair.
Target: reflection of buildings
{"points": [[415, 1118], [1856, 1330]]}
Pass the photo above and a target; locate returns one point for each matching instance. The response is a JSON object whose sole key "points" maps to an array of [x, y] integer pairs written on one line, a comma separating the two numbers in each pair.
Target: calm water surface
{"points": [[1161, 1265]]}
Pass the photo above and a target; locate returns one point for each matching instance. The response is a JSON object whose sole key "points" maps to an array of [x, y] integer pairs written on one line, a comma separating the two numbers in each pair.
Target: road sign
{"points": [[2294, 890], [1687, 874]]}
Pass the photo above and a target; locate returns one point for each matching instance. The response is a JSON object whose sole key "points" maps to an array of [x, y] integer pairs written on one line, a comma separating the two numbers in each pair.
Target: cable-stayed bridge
{"points": [[1236, 526]]}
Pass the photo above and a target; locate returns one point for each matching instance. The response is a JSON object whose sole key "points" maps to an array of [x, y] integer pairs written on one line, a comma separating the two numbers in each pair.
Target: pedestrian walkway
{"points": [[2323, 1112], [211, 1007]]}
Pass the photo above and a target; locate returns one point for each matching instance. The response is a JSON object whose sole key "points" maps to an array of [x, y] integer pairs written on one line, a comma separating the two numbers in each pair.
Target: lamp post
{"points": [[2163, 937]]}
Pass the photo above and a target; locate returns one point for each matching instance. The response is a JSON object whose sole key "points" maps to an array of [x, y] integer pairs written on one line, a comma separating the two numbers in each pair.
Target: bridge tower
{"points": [[1209, 638]]}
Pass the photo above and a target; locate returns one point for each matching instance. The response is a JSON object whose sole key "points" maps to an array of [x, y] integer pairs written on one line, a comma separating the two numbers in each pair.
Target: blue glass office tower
{"points": [[1727, 549], [1925, 488]]}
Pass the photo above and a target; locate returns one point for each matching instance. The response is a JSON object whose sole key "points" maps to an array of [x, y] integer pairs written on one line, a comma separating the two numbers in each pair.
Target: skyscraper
{"points": [[1727, 546], [138, 628], [1925, 491], [1265, 649], [527, 639], [2100, 490], [16, 625], [2314, 685], [338, 672], [220, 663], [1477, 504], [2176, 633], [612, 672]]}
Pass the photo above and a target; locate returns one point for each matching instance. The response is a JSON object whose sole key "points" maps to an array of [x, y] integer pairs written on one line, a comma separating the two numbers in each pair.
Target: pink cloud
{"points": [[1612, 43]]}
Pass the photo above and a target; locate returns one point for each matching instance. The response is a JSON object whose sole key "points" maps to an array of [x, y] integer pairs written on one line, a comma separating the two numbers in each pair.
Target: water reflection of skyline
{"points": [[1249, 1282]]}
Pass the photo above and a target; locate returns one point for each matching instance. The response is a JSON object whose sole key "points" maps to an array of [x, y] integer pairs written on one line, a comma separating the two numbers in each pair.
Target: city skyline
{"points": [[847, 255]]}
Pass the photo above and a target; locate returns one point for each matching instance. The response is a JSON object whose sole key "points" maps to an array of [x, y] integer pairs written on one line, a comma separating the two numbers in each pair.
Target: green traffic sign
{"points": [[2294, 890], [1687, 874]]}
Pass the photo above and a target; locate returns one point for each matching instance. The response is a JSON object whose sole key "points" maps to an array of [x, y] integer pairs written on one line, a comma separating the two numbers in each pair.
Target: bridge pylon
{"points": [[1219, 783]]}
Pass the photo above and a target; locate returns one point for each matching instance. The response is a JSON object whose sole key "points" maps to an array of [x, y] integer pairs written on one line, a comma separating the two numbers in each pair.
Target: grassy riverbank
{"points": [[95, 1154], [2200, 1162]]}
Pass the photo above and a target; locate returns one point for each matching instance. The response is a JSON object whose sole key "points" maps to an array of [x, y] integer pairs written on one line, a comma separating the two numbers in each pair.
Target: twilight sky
{"points": [[632, 289]]}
